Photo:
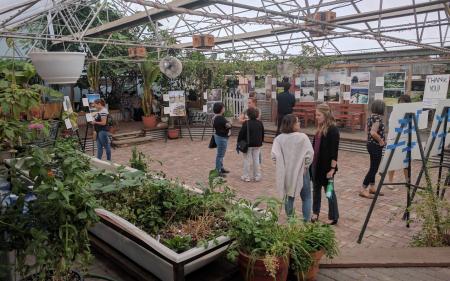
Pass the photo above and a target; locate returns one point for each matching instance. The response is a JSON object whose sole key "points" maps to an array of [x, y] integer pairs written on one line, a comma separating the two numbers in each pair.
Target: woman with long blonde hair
{"points": [[324, 166]]}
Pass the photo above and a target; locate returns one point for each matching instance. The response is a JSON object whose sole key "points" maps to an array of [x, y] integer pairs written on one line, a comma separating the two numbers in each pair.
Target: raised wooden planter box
{"points": [[146, 251]]}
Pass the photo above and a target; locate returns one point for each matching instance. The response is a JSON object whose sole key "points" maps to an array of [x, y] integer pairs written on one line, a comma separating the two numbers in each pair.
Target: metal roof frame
{"points": [[254, 27]]}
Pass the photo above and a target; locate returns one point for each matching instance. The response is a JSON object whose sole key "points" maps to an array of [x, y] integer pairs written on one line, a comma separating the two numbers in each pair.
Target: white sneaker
{"points": [[245, 179]]}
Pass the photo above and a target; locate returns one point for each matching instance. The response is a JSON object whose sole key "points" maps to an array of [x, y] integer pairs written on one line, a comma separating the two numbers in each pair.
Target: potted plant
{"points": [[58, 241], [308, 242], [150, 73], [259, 241], [172, 131], [16, 99]]}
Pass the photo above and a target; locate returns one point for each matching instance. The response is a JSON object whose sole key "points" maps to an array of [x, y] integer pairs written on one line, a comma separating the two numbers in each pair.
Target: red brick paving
{"points": [[190, 161]]}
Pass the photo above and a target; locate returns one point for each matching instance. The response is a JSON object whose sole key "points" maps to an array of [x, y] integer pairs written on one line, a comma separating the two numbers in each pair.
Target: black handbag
{"points": [[212, 142], [242, 145]]}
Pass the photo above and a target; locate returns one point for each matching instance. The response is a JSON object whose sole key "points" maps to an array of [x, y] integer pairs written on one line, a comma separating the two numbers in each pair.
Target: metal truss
{"points": [[254, 28]]}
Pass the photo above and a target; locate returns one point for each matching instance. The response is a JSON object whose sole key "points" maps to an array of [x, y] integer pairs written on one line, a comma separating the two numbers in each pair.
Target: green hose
{"points": [[96, 276]]}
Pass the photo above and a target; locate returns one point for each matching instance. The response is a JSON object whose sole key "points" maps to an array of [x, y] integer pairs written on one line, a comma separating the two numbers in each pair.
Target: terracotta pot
{"points": [[149, 121], [258, 271], [311, 275], [173, 133]]}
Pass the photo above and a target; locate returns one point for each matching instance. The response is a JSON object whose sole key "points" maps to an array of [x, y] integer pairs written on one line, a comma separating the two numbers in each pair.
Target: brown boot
{"points": [[365, 193], [372, 190]]}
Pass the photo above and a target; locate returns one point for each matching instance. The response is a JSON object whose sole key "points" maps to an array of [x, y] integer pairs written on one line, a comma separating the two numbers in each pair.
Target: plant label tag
{"points": [[68, 124], [205, 95], [297, 95], [85, 102], [205, 108], [274, 95], [166, 110], [89, 117], [379, 96], [274, 81], [166, 97]]}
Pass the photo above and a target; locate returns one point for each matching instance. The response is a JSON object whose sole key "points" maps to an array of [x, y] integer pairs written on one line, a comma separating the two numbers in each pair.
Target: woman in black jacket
{"points": [[324, 166], [252, 132], [221, 133]]}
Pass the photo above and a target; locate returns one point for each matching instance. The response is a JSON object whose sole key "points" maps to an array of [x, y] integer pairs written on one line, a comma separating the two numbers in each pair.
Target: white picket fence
{"points": [[238, 104], [235, 103]]}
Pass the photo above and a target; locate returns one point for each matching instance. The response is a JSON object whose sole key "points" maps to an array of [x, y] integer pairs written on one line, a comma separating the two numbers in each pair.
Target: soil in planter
{"points": [[183, 236]]}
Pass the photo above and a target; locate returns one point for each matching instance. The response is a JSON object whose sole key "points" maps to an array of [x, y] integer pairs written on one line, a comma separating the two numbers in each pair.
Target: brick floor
{"points": [[190, 161]]}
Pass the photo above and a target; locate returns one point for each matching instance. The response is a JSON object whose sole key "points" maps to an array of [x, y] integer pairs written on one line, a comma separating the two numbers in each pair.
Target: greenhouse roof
{"points": [[252, 27]]}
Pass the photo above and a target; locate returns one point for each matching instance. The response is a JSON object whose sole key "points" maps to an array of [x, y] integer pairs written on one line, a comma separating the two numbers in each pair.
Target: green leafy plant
{"points": [[304, 239], [433, 213], [162, 207], [93, 75], [228, 113], [257, 233], [150, 72], [138, 160], [60, 240]]}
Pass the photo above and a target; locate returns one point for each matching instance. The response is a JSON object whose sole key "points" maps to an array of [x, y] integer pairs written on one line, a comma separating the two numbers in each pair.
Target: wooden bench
{"points": [[305, 111], [349, 114]]}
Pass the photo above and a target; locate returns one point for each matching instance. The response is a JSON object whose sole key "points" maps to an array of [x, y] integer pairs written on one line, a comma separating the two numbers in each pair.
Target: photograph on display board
{"points": [[394, 86], [332, 85], [360, 80], [177, 103], [359, 96], [209, 106], [307, 86], [215, 95], [91, 98]]}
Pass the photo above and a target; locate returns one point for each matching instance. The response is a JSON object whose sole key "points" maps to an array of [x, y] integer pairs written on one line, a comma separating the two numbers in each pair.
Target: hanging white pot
{"points": [[58, 67]]}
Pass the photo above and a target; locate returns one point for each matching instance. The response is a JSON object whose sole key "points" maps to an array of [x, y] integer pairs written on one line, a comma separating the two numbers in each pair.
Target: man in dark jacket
{"points": [[286, 103]]}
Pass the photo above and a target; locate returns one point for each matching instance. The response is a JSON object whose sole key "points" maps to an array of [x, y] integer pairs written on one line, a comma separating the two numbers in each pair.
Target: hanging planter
{"points": [[58, 67]]}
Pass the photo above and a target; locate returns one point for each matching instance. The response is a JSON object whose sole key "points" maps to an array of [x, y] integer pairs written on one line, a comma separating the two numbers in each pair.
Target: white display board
{"points": [[439, 135], [307, 84], [399, 159], [177, 103], [436, 87]]}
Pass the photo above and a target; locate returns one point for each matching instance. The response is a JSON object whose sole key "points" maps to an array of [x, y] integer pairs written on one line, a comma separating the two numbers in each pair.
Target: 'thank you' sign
{"points": [[436, 87]]}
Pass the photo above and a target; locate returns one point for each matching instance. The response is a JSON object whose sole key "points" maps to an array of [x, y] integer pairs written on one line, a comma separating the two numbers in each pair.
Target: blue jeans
{"points": [[222, 143], [305, 195], [103, 142]]}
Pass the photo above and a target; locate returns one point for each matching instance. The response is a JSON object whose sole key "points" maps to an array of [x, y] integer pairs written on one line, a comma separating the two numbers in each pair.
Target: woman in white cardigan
{"points": [[293, 153]]}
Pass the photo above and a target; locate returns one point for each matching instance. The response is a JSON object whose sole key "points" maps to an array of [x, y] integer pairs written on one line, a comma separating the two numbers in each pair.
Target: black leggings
{"points": [[375, 152], [279, 119]]}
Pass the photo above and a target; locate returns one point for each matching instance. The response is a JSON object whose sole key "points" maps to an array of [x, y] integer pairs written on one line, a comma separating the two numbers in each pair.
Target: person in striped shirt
{"points": [[101, 128]]}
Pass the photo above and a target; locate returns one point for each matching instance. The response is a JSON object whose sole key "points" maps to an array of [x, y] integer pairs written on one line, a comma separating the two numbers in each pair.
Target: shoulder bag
{"points": [[242, 145]]}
